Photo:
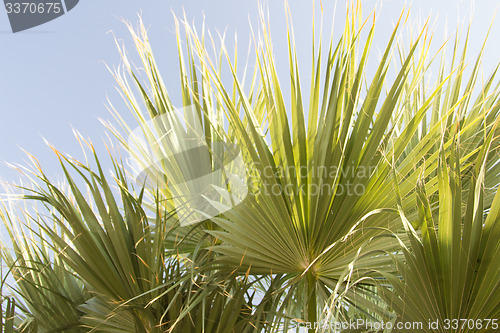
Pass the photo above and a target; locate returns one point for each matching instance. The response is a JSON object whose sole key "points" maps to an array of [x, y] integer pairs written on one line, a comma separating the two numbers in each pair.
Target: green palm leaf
{"points": [[450, 275], [320, 189]]}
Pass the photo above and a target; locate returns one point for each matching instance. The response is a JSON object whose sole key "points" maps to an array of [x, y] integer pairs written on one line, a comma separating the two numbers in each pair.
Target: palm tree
{"points": [[450, 276], [90, 265], [315, 238], [7, 317], [331, 164]]}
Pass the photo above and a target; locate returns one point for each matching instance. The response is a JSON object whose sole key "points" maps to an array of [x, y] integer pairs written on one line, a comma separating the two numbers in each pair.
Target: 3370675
{"points": [[33, 7]]}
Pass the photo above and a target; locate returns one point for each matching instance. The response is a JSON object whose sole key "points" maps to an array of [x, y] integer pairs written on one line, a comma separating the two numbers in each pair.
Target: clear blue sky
{"points": [[53, 77]]}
